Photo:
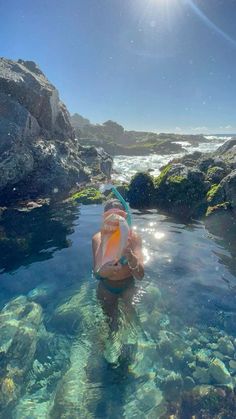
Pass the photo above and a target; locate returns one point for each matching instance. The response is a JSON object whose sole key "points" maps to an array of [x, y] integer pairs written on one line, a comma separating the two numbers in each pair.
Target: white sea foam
{"points": [[126, 166]]}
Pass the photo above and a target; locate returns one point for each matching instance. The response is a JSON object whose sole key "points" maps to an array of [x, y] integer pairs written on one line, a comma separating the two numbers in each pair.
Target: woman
{"points": [[117, 280]]}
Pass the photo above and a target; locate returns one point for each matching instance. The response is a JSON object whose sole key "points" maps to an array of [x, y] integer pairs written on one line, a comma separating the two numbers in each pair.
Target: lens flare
{"points": [[209, 23]]}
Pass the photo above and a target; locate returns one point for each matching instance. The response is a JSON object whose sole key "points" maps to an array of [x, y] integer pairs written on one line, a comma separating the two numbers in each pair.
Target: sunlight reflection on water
{"points": [[182, 308]]}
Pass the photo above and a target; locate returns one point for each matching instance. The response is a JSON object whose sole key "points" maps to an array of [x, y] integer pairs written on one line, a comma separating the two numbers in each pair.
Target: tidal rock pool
{"points": [[173, 356]]}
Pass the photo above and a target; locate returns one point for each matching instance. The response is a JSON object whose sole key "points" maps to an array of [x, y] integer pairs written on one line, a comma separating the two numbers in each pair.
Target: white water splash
{"points": [[126, 166]]}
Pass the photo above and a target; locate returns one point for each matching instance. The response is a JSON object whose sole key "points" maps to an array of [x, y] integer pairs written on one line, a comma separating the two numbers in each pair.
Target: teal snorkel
{"points": [[124, 203], [120, 198]]}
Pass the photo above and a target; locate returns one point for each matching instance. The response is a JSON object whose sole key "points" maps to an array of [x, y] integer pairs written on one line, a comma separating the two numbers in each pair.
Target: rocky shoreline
{"points": [[115, 140], [193, 186]]}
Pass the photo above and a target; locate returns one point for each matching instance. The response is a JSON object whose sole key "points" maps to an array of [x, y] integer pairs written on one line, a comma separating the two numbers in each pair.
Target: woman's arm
{"points": [[134, 255]]}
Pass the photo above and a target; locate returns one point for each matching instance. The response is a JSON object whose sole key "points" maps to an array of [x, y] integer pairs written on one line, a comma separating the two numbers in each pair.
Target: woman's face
{"points": [[115, 210]]}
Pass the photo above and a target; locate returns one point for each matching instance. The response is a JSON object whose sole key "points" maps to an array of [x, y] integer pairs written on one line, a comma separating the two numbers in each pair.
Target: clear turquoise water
{"points": [[57, 356]]}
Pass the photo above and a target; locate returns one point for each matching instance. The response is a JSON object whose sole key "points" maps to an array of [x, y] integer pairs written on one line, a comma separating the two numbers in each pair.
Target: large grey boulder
{"points": [[228, 145], [229, 186], [25, 84], [39, 154], [97, 159], [227, 152]]}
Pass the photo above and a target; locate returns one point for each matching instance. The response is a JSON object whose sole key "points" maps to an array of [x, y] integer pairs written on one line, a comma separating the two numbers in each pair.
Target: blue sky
{"points": [[161, 65]]}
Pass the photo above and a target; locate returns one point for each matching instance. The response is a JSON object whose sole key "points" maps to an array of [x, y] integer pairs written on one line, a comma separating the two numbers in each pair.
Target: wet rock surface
{"points": [[39, 152], [191, 186]]}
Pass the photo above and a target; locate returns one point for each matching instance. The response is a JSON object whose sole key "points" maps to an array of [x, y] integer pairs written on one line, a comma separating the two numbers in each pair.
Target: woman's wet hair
{"points": [[113, 203]]}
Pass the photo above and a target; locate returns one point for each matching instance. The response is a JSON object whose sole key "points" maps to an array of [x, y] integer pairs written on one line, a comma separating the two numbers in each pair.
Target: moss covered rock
{"points": [[180, 190], [215, 195], [141, 191], [215, 174], [88, 196], [218, 208], [210, 161]]}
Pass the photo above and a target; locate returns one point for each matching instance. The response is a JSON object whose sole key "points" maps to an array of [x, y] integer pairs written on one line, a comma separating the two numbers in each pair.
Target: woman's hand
{"points": [[109, 270], [130, 255]]}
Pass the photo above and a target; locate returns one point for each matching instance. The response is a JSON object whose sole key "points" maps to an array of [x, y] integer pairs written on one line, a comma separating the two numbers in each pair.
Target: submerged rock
{"points": [[208, 402], [147, 401], [172, 386], [32, 408], [202, 375], [145, 360], [219, 372], [149, 396], [72, 394], [74, 313], [225, 346], [80, 312], [42, 293], [19, 324]]}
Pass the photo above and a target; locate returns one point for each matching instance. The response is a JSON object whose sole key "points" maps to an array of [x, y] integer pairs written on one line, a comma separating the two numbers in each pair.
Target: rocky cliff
{"points": [[39, 154]]}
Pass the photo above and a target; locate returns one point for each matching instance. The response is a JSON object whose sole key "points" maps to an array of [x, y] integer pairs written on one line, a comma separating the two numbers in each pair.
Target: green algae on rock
{"points": [[163, 175], [180, 189], [88, 196], [218, 208], [188, 186], [213, 193], [215, 174]]}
